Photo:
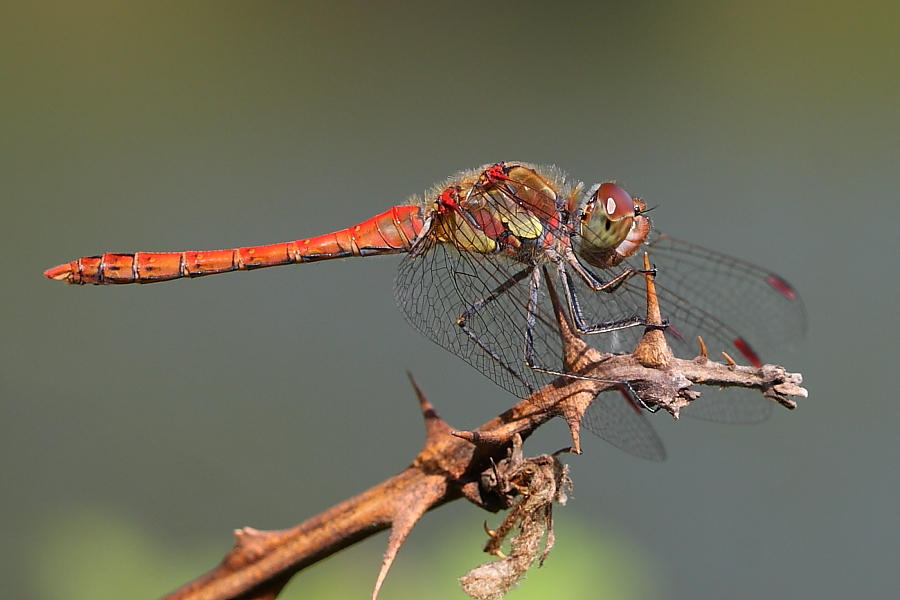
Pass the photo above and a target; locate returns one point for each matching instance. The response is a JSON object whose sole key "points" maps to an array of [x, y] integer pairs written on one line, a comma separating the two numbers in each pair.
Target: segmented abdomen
{"points": [[391, 232]]}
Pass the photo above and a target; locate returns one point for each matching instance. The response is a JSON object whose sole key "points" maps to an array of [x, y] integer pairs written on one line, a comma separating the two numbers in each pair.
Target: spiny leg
{"points": [[595, 283], [533, 314], [578, 320], [463, 319]]}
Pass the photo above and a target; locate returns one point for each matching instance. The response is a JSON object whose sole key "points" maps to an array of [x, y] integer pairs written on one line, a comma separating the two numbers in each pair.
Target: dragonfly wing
{"points": [[616, 419], [687, 320], [758, 306], [736, 307], [438, 285]]}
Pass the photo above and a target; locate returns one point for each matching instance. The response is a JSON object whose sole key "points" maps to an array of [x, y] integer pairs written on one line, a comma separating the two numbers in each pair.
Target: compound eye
{"points": [[615, 202]]}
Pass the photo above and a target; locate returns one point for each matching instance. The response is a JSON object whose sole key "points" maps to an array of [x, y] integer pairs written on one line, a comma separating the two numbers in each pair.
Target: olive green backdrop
{"points": [[140, 425]]}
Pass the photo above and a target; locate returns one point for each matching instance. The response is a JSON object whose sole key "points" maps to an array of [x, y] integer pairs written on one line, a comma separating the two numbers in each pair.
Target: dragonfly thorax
{"points": [[506, 207]]}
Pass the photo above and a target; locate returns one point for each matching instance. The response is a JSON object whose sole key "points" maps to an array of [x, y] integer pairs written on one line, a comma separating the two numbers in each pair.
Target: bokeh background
{"points": [[140, 425]]}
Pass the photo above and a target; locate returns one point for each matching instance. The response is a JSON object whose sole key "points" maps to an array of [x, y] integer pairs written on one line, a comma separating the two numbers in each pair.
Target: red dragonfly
{"points": [[477, 252]]}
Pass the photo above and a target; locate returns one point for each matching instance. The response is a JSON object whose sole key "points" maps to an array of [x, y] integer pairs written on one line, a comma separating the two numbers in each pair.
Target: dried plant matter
{"points": [[531, 486]]}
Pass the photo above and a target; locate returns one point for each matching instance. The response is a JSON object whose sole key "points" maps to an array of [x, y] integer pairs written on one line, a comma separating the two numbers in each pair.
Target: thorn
{"points": [[424, 404], [490, 532], [702, 347], [652, 350], [653, 314], [499, 554], [434, 424], [481, 438], [245, 531], [470, 436], [574, 425], [730, 360], [401, 524]]}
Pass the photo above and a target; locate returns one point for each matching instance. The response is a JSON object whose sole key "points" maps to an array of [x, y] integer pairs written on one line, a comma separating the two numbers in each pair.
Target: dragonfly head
{"points": [[612, 225]]}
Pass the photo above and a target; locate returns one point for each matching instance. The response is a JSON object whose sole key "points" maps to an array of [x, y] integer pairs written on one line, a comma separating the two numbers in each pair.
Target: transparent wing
{"points": [[437, 284], [736, 307], [492, 308], [622, 423], [739, 308], [734, 298]]}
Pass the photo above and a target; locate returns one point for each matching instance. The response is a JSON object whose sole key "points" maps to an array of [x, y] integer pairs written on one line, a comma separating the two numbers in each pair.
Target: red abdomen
{"points": [[391, 232]]}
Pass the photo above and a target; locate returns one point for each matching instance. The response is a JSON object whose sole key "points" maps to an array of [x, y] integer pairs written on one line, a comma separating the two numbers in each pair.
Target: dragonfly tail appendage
{"points": [[390, 232]]}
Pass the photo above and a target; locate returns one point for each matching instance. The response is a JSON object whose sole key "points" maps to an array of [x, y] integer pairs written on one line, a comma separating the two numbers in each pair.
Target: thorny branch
{"points": [[486, 467]]}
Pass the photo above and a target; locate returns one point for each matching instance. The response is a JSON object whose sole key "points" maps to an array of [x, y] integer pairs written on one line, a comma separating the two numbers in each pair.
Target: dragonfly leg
{"points": [[635, 400], [531, 323], [578, 320], [463, 320], [597, 284]]}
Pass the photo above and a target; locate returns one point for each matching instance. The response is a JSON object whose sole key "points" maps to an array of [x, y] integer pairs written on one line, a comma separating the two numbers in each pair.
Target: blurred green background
{"points": [[140, 425]]}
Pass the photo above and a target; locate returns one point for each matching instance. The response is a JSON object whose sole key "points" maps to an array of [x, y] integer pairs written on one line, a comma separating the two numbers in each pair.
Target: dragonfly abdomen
{"points": [[390, 232]]}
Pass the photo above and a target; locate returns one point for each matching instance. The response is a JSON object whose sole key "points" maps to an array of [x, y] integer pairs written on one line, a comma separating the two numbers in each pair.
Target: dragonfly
{"points": [[482, 250]]}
